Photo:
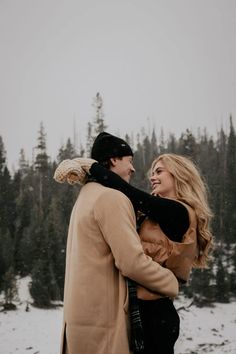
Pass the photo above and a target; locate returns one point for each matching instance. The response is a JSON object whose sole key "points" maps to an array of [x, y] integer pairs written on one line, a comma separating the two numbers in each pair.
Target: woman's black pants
{"points": [[160, 322]]}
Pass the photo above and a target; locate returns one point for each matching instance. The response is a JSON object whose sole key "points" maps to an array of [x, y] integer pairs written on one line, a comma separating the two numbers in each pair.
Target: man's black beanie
{"points": [[106, 146]]}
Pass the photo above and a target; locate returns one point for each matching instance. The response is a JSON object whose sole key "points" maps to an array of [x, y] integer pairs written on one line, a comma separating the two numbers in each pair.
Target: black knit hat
{"points": [[106, 146]]}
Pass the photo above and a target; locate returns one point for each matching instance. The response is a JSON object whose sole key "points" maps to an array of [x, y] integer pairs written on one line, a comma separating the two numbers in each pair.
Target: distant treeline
{"points": [[35, 211]]}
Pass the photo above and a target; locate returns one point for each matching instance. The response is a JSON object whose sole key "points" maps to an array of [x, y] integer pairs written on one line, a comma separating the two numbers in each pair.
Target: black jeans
{"points": [[160, 322]]}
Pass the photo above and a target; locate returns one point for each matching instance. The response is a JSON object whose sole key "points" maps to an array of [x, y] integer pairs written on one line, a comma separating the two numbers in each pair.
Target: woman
{"points": [[177, 243], [175, 177]]}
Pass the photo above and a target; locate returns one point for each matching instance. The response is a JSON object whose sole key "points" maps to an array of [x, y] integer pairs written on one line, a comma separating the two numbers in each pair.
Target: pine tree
{"points": [[37, 233], [99, 123], [7, 218], [154, 147], [231, 185], [6, 256], [23, 164], [2, 156], [7, 203], [39, 287], [24, 211], [200, 286], [10, 289], [162, 143], [41, 161], [139, 178], [90, 139], [232, 275], [57, 231], [6, 198], [218, 189], [222, 282], [188, 145], [67, 152], [172, 144], [148, 156]]}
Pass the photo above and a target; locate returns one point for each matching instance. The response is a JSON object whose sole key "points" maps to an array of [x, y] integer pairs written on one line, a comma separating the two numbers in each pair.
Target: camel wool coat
{"points": [[103, 248]]}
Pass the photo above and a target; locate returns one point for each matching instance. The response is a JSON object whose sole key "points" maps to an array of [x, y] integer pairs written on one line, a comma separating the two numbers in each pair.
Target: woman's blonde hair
{"points": [[192, 190]]}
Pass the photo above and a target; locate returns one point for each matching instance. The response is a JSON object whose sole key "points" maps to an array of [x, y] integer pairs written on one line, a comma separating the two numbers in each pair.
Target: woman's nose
{"points": [[152, 178]]}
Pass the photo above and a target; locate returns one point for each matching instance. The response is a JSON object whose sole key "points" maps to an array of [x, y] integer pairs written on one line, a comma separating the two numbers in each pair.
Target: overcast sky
{"points": [[161, 63]]}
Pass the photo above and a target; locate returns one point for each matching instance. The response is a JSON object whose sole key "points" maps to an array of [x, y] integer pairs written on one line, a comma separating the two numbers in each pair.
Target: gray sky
{"points": [[162, 63]]}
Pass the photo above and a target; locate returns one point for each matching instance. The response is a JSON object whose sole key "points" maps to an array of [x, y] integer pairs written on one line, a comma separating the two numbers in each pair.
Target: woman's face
{"points": [[162, 181]]}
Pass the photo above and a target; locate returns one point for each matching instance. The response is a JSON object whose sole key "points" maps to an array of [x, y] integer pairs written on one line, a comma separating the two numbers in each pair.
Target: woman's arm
{"points": [[171, 215]]}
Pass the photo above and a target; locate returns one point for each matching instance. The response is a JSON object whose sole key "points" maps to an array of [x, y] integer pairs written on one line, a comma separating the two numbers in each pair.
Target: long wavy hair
{"points": [[191, 189]]}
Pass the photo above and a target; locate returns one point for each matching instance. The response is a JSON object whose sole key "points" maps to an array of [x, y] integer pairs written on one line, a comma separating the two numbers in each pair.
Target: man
{"points": [[103, 248]]}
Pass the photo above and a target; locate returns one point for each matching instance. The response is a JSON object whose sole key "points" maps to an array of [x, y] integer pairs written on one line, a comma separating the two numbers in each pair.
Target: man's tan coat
{"points": [[102, 249]]}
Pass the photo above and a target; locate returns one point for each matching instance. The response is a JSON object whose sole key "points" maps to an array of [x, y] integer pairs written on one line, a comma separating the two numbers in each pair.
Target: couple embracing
{"points": [[128, 251]]}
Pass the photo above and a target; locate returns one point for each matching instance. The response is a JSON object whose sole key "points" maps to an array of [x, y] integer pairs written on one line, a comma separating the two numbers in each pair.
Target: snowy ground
{"points": [[207, 330], [203, 330]]}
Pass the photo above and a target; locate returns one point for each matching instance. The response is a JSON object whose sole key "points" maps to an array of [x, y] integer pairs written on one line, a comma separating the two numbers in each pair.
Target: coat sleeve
{"points": [[171, 215], [116, 219]]}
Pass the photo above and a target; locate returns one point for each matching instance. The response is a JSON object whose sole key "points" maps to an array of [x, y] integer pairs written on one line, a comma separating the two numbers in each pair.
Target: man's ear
{"points": [[113, 161]]}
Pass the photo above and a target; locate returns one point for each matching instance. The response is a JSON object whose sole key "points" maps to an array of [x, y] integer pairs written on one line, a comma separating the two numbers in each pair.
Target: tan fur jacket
{"points": [[176, 256]]}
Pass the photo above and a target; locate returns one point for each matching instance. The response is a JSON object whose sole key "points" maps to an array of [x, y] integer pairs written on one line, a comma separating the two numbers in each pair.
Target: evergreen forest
{"points": [[35, 210]]}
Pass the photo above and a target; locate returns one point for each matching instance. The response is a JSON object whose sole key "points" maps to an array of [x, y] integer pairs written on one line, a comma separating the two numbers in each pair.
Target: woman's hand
{"points": [[85, 163], [71, 171], [145, 294]]}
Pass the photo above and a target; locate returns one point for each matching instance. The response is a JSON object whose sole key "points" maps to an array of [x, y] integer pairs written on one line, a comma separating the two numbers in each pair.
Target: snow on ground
{"points": [[207, 329], [37, 331]]}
